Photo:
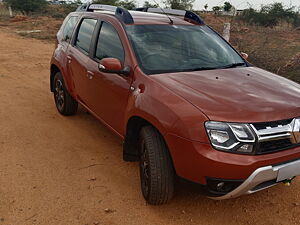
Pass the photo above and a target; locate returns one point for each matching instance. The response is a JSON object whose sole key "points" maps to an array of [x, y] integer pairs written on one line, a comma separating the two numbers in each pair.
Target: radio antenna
{"points": [[171, 21]]}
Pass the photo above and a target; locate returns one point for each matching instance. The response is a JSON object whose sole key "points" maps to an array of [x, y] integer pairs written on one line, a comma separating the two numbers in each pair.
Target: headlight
{"points": [[233, 137]]}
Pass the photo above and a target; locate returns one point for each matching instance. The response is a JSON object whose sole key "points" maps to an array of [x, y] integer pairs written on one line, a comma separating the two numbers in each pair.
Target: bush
{"points": [[270, 15], [27, 6], [296, 22], [127, 4], [58, 11], [68, 8], [179, 4]]}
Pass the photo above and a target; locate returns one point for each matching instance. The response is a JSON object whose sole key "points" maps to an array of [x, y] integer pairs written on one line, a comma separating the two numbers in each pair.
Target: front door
{"points": [[109, 92]]}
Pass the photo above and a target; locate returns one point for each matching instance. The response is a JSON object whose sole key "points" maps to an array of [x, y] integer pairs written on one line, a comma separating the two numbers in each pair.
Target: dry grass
{"points": [[48, 25], [3, 12], [271, 49]]}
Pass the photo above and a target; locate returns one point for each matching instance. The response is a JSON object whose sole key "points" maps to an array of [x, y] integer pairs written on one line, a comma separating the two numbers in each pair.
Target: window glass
{"points": [[109, 44], [85, 34], [69, 27], [175, 48]]}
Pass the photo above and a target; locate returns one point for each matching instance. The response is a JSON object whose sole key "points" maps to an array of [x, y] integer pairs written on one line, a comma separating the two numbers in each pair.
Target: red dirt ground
{"points": [[69, 170]]}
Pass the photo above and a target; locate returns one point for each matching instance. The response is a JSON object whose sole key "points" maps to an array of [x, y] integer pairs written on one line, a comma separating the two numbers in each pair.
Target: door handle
{"points": [[69, 59], [90, 75]]}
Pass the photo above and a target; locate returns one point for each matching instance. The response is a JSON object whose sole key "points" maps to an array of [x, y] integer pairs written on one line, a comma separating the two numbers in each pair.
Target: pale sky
{"points": [[239, 4]]}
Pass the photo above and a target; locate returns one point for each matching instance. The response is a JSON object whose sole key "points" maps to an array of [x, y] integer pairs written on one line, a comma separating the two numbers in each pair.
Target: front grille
{"points": [[272, 146], [275, 136]]}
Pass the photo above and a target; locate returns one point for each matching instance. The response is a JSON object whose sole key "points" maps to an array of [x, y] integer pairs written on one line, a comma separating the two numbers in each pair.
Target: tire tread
{"points": [[71, 105], [161, 167]]}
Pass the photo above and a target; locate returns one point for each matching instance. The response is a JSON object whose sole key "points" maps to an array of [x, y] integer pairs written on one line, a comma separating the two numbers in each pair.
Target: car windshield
{"points": [[175, 48]]}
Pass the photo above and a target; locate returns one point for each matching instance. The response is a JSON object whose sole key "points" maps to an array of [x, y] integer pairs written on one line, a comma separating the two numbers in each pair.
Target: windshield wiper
{"points": [[232, 65], [202, 68]]}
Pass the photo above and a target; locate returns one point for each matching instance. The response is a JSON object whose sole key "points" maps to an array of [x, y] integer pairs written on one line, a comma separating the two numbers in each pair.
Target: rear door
{"points": [[78, 59], [63, 41]]}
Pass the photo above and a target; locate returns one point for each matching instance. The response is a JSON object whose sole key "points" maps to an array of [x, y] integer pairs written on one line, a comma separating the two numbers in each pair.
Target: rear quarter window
{"points": [[69, 28]]}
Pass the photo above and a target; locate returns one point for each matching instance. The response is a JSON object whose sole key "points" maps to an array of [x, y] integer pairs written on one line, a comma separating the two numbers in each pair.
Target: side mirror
{"points": [[113, 65], [244, 55]]}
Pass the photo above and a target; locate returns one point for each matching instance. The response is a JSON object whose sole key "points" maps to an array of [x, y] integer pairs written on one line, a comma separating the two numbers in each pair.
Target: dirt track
{"points": [[68, 170]]}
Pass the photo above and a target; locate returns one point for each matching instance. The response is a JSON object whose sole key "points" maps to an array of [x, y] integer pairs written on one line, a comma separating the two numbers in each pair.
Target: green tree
{"points": [[70, 7], [216, 9], [77, 2], [127, 4], [227, 6], [179, 4], [149, 5], [271, 15], [205, 6], [27, 6], [106, 2]]}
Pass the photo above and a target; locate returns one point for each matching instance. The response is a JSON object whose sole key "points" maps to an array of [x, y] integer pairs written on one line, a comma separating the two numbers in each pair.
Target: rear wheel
{"points": [[156, 168], [65, 103]]}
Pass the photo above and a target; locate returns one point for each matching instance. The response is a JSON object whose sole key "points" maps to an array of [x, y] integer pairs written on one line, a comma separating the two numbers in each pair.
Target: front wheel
{"points": [[156, 168], [65, 103]]}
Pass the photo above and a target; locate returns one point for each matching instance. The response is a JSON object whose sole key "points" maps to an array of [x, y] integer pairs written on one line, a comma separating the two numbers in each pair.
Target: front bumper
{"points": [[245, 174], [263, 178]]}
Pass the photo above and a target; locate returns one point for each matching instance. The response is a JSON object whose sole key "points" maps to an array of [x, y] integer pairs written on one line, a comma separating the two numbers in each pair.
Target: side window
{"points": [[69, 27], [109, 44], [85, 34]]}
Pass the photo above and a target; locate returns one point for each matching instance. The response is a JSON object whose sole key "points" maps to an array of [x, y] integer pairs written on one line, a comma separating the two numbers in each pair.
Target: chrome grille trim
{"points": [[288, 130], [275, 137]]}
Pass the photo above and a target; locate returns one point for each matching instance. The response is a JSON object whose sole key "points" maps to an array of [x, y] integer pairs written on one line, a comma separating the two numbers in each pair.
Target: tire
{"points": [[65, 103], [156, 167]]}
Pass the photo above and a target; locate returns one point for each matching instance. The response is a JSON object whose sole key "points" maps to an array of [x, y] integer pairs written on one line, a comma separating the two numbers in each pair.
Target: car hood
{"points": [[246, 94]]}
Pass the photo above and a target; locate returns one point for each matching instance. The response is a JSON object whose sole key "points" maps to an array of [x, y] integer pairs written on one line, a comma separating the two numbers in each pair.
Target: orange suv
{"points": [[184, 101]]}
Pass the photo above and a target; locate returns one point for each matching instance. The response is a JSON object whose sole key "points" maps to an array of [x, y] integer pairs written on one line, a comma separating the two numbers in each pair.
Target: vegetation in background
{"points": [[27, 6], [179, 4], [149, 5], [216, 9], [106, 2], [271, 15], [60, 11], [127, 4], [227, 6]]}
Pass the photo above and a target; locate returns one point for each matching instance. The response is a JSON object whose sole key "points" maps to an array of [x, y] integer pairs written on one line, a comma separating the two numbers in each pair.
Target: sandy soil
{"points": [[69, 170]]}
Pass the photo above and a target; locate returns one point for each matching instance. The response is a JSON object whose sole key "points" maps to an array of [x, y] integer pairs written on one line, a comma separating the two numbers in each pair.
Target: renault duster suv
{"points": [[184, 101]]}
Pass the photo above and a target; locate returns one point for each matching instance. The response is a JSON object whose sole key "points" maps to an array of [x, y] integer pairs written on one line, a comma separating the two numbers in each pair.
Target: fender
{"points": [[161, 108], [165, 110], [60, 62]]}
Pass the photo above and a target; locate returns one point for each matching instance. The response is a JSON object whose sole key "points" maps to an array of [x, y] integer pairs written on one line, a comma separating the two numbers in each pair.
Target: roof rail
{"points": [[121, 13], [188, 15]]}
